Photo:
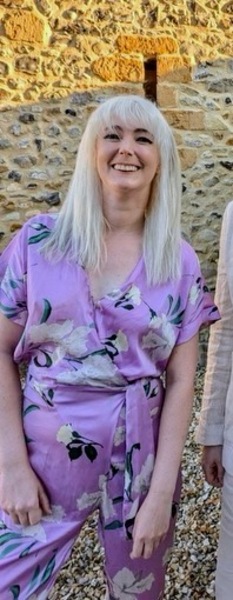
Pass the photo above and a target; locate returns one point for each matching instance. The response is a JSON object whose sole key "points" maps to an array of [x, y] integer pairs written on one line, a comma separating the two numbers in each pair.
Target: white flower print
{"points": [[142, 480], [119, 435], [123, 413], [35, 531], [127, 586], [155, 322], [106, 502], [53, 332], [162, 340], [69, 340], [11, 281], [95, 498], [57, 515], [40, 388], [154, 411], [95, 369], [76, 342], [134, 295], [65, 434], [87, 500], [194, 293], [121, 342], [133, 509]]}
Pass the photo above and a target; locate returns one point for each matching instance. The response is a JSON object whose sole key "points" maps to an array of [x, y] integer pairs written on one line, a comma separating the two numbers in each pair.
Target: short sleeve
{"points": [[13, 279], [200, 310]]}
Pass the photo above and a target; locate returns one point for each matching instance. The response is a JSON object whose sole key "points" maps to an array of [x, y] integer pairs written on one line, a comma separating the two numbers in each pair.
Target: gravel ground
{"points": [[191, 568]]}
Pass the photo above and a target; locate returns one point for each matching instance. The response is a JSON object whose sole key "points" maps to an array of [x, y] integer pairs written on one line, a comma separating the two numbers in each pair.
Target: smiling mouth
{"points": [[125, 168]]}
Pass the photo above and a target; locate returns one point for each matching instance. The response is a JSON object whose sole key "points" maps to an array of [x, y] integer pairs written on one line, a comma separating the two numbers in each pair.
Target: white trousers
{"points": [[224, 572]]}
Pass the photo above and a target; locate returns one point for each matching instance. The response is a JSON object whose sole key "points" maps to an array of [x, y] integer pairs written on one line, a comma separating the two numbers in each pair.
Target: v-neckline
{"points": [[116, 292]]}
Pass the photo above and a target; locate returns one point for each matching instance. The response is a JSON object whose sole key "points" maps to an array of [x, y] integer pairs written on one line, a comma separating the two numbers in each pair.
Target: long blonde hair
{"points": [[80, 227]]}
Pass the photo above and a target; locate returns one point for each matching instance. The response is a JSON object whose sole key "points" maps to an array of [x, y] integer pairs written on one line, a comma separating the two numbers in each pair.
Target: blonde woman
{"points": [[101, 300]]}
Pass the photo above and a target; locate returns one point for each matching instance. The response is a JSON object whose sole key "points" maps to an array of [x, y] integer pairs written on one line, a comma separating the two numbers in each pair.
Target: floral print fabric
{"points": [[94, 386]]}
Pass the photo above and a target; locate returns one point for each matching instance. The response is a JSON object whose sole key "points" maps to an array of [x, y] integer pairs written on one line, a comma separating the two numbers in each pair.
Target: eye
{"points": [[111, 136], [144, 140]]}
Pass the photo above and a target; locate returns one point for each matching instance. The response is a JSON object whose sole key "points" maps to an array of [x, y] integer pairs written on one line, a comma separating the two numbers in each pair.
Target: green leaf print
{"points": [[46, 311], [30, 409], [8, 549], [49, 568], [176, 307], [34, 577], [8, 311], [75, 453], [50, 395], [27, 550], [178, 319], [48, 361], [34, 239], [90, 452], [15, 590], [170, 300], [114, 525], [43, 232], [9, 535], [129, 467], [118, 499], [13, 283], [129, 523]]}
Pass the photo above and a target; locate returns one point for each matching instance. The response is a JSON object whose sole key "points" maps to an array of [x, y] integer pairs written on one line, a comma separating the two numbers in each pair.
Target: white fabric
{"points": [[224, 573], [216, 419]]}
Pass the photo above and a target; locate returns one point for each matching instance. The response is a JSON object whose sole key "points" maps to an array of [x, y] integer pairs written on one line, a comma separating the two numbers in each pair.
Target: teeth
{"points": [[125, 167]]}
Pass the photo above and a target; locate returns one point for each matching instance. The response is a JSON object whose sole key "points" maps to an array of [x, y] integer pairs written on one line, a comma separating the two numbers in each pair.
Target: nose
{"points": [[126, 146]]}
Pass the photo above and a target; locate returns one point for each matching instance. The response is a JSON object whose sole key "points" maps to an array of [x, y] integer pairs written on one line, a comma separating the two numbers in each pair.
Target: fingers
{"points": [[26, 518], [145, 548], [214, 474]]}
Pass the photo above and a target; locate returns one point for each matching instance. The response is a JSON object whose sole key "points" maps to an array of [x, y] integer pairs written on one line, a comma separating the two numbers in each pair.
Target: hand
{"points": [[151, 525], [212, 465], [22, 495]]}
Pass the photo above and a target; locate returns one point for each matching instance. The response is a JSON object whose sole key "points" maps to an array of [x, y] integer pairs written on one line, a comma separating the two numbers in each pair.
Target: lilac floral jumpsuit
{"points": [[91, 408]]}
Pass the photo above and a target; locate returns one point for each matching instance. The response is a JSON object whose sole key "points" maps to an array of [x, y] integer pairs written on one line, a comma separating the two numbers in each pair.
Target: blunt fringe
{"points": [[79, 229]]}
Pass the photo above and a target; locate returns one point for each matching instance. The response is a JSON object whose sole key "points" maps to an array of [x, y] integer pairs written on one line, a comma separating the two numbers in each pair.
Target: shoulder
{"points": [[38, 227], [41, 220]]}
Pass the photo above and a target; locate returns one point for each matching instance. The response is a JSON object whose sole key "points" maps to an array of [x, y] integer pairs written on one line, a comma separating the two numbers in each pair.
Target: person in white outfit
{"points": [[215, 429]]}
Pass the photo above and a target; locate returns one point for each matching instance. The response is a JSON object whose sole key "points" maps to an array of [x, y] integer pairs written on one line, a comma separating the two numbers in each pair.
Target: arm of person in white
{"points": [[21, 493], [153, 518], [219, 361]]}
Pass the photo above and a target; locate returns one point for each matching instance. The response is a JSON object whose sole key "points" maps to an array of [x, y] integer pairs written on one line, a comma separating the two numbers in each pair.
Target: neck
{"points": [[124, 213]]}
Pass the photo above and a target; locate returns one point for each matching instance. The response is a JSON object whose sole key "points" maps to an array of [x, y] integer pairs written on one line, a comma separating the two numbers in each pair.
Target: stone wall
{"points": [[58, 59]]}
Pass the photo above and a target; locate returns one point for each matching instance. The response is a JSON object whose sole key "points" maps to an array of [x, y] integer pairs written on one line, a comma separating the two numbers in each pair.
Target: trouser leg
{"points": [[128, 579], [224, 572], [31, 560]]}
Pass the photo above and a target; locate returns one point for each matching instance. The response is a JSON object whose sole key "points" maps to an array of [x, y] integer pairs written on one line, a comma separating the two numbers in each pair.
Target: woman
{"points": [[215, 429], [101, 301]]}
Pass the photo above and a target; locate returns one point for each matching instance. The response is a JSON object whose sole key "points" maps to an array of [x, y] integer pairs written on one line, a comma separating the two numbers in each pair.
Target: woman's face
{"points": [[127, 160]]}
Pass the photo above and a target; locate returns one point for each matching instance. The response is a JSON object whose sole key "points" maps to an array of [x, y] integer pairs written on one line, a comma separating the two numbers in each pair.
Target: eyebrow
{"points": [[137, 130]]}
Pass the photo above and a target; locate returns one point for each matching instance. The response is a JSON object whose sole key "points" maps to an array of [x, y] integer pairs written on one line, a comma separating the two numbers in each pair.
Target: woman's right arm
{"points": [[21, 493]]}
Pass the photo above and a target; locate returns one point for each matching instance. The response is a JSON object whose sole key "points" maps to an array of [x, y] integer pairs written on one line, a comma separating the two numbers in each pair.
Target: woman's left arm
{"points": [[153, 518]]}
